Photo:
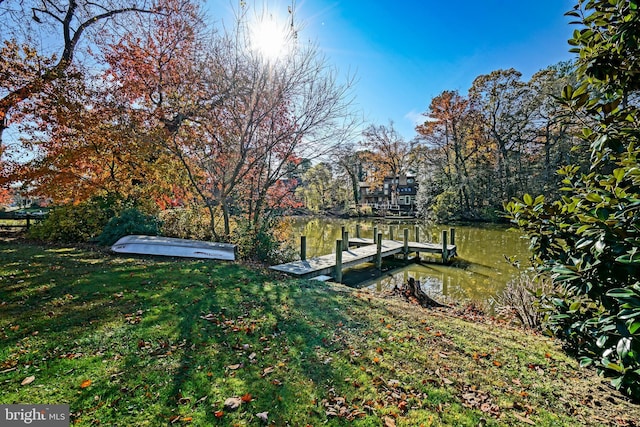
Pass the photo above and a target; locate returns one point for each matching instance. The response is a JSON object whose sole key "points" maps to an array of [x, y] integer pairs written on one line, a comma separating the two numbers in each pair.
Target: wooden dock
{"points": [[364, 250]]}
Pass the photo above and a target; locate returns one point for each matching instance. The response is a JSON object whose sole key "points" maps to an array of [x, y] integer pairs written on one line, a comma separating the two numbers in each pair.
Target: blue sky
{"points": [[405, 52]]}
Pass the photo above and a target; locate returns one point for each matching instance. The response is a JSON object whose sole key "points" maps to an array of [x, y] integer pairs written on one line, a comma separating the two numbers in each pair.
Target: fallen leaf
{"points": [[28, 380], [85, 384], [234, 367], [389, 422], [496, 363], [264, 416], [376, 360], [267, 370], [174, 419], [246, 398], [218, 414], [187, 419], [232, 403]]}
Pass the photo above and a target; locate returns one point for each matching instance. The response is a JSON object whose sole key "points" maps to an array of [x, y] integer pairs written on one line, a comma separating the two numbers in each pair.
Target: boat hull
{"points": [[167, 246]]}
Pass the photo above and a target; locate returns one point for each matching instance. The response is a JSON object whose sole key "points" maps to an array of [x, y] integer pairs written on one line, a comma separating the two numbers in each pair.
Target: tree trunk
{"points": [[413, 293], [226, 215]]}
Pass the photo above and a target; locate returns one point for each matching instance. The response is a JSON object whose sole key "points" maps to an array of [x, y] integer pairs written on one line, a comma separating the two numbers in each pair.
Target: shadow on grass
{"points": [[261, 333]]}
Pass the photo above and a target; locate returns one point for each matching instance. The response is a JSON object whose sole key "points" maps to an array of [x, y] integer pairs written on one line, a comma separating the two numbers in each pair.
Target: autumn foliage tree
{"points": [[504, 136], [233, 120], [281, 110], [386, 153], [27, 69], [66, 132], [446, 131]]}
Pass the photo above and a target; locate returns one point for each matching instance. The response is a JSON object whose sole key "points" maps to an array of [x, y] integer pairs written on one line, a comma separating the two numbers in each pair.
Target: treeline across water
{"points": [[505, 137]]}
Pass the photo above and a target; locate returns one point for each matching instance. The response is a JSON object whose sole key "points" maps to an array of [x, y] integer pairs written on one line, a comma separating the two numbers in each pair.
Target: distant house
{"points": [[397, 194]]}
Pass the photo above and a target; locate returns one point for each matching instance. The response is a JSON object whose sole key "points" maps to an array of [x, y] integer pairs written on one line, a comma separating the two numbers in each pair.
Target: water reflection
{"points": [[478, 273]]}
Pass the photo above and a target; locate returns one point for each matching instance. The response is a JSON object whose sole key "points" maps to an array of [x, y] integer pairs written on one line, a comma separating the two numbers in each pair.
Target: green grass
{"points": [[129, 341]]}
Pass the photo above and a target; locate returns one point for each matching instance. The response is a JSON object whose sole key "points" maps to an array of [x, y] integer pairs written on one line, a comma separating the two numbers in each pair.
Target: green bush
{"points": [[266, 244], [75, 223], [445, 207], [589, 240], [130, 221]]}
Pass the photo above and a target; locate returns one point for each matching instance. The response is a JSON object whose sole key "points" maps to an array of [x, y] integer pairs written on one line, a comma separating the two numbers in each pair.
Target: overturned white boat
{"points": [[168, 246]]}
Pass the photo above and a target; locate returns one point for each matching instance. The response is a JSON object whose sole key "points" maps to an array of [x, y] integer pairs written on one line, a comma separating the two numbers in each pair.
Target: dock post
{"points": [[303, 248], [391, 232], [445, 253], [452, 237], [358, 231], [28, 221], [345, 241], [379, 252], [406, 244], [375, 234], [417, 234], [338, 270]]}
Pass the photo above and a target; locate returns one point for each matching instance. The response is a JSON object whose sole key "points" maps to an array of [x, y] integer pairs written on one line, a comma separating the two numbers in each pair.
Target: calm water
{"points": [[478, 273]]}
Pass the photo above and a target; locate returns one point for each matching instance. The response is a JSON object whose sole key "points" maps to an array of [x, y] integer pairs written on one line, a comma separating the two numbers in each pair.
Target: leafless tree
{"points": [[279, 111]]}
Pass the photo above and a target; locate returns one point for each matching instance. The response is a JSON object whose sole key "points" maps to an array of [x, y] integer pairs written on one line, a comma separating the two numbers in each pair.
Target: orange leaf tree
{"points": [[27, 64], [235, 121], [81, 141], [387, 155]]}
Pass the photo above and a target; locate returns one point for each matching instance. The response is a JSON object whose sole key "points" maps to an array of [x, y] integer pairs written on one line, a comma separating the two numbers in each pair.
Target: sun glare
{"points": [[270, 38]]}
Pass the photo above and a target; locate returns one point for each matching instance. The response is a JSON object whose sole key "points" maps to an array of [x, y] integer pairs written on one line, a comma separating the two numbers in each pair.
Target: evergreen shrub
{"points": [[130, 221]]}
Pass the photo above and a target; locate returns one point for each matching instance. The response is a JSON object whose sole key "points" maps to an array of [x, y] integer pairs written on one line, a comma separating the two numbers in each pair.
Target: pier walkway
{"points": [[365, 250]]}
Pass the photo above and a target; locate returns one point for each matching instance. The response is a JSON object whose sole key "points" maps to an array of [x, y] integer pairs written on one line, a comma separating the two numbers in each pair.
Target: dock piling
{"points": [[406, 244], [375, 234], [445, 248], [379, 252], [338, 268], [391, 232], [417, 234], [358, 231], [352, 252]]}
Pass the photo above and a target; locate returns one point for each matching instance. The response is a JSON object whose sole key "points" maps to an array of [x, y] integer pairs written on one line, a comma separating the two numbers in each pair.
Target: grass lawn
{"points": [[132, 342]]}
